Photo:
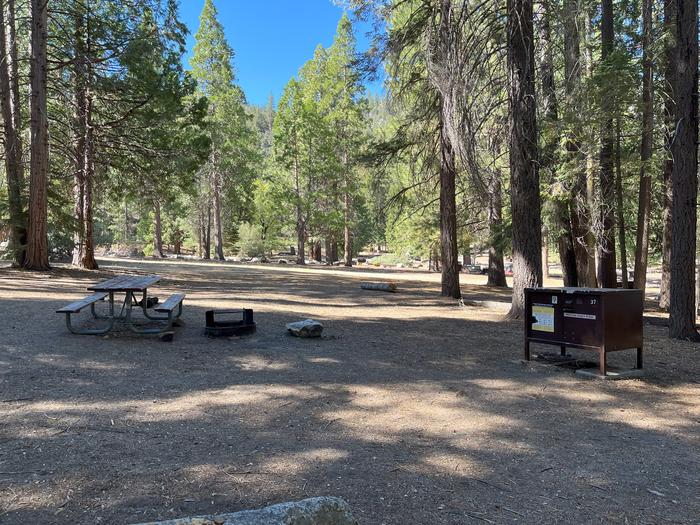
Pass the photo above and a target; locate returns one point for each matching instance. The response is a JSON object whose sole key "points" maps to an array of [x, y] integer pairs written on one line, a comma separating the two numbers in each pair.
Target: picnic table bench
{"points": [[129, 285]]}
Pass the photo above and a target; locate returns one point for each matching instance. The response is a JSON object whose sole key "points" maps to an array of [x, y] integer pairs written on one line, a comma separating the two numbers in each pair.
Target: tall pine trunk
{"points": [[218, 223], [207, 235], [607, 277], [200, 231], [620, 211], [79, 155], [685, 174], [669, 128], [524, 177], [9, 100], [157, 230], [37, 245], [347, 239], [83, 146], [577, 210], [89, 261], [496, 275], [300, 225], [565, 239], [585, 181], [642, 246], [448, 219]]}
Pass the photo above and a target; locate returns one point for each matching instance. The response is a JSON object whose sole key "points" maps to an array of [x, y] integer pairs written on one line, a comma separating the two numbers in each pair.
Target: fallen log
{"points": [[382, 287]]}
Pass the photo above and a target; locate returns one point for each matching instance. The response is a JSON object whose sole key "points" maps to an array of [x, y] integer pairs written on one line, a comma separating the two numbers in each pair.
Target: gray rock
{"points": [[324, 510], [306, 328]]}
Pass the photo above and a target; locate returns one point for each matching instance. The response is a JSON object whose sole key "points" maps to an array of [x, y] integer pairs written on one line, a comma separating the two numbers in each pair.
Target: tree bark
{"points": [[524, 177], [496, 272], [620, 211], [565, 241], [334, 250], [207, 235], [581, 267], [685, 172], [346, 229], [9, 100], [566, 244], [300, 226], [83, 146], [157, 230], [642, 245], [89, 261], [218, 224], [545, 253], [448, 219], [669, 128], [200, 231], [37, 246], [331, 250], [607, 277], [79, 165], [125, 239]]}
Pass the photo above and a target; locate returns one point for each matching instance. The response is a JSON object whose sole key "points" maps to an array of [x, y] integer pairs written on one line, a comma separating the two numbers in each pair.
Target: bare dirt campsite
{"points": [[412, 408]]}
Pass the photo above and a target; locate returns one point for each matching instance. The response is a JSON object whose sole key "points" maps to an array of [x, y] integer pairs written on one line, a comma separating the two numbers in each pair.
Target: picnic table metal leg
{"points": [[136, 330], [122, 311], [88, 331], [144, 307], [96, 315], [170, 317], [94, 331]]}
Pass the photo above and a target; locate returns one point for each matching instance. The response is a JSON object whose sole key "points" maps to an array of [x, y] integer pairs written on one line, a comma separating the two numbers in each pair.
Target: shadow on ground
{"points": [[413, 409]]}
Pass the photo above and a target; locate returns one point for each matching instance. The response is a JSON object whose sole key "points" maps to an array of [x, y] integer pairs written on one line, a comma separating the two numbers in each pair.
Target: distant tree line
{"points": [[509, 127]]}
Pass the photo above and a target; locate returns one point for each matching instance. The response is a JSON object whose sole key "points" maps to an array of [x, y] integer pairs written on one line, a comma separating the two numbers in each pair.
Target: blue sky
{"points": [[271, 38]]}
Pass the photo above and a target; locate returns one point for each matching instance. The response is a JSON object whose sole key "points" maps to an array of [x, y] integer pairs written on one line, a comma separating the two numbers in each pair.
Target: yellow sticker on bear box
{"points": [[544, 318]]}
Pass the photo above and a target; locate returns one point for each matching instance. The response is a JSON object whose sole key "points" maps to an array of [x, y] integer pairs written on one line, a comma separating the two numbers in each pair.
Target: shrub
{"points": [[250, 241]]}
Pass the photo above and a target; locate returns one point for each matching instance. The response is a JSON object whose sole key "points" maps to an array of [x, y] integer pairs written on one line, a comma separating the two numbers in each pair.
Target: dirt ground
{"points": [[411, 407]]}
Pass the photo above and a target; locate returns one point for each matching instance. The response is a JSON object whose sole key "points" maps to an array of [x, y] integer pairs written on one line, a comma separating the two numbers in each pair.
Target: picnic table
{"points": [[129, 285]]}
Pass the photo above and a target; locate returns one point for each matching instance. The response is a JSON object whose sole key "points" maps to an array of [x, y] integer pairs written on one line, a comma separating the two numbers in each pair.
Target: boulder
{"points": [[306, 328], [313, 511]]}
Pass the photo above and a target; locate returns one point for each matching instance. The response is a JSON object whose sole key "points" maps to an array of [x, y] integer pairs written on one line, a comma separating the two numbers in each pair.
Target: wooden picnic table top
{"points": [[126, 283]]}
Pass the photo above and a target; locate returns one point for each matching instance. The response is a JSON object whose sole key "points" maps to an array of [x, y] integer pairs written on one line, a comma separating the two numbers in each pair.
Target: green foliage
{"points": [[226, 177], [320, 132], [251, 242]]}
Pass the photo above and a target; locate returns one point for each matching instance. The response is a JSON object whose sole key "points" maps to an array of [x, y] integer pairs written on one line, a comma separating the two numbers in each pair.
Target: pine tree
{"points": [[607, 277], [213, 70], [685, 174], [524, 177], [343, 97], [12, 124], [290, 137], [37, 247]]}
